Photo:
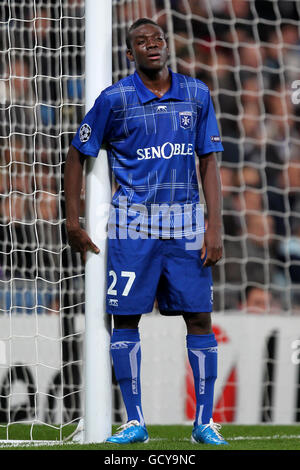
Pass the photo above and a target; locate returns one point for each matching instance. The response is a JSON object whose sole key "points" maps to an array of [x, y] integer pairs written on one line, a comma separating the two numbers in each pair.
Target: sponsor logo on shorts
{"points": [[113, 302]]}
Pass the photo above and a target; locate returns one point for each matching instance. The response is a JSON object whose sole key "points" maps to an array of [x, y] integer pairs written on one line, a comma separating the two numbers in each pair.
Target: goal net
{"points": [[247, 52]]}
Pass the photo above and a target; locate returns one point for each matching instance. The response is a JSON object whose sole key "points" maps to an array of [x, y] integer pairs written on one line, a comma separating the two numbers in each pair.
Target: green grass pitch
{"points": [[162, 438]]}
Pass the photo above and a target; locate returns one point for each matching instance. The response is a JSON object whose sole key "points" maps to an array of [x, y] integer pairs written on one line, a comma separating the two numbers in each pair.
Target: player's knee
{"points": [[129, 322], [198, 323]]}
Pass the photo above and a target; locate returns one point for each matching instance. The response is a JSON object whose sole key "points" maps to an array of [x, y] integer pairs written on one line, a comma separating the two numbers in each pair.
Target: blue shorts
{"points": [[142, 270]]}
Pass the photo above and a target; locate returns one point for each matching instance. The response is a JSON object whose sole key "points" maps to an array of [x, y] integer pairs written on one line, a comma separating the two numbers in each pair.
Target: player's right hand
{"points": [[81, 242]]}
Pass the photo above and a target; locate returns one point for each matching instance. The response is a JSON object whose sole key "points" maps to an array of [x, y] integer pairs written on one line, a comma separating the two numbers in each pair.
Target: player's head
{"points": [[146, 45]]}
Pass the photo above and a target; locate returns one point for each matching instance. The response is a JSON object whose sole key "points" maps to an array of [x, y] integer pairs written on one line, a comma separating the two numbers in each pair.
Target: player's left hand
{"points": [[212, 248]]}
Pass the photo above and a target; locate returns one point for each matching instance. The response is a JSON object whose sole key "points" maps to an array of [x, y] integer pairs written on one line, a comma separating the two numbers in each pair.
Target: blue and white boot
{"points": [[129, 433], [208, 434]]}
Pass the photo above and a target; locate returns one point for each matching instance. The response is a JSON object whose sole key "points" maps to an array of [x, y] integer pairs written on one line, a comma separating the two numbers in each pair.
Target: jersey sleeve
{"points": [[93, 129], [208, 135]]}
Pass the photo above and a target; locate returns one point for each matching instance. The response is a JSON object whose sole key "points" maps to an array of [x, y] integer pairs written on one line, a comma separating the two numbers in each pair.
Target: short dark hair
{"points": [[137, 24]]}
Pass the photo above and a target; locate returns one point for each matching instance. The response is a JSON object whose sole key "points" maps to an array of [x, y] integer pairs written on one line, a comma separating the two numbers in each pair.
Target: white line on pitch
{"points": [[259, 438], [237, 438], [16, 443]]}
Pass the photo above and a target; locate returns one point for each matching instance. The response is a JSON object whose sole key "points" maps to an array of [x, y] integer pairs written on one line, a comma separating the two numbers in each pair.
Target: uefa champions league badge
{"points": [[85, 133], [185, 118]]}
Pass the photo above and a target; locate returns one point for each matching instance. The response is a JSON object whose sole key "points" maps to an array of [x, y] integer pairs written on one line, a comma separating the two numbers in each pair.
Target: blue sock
{"points": [[126, 356], [203, 357]]}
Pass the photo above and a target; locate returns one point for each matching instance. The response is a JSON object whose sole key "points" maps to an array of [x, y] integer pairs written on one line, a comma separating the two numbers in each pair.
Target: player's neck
{"points": [[157, 81]]}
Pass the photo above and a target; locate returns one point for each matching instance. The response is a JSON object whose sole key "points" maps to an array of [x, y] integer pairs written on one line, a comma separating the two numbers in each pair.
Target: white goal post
{"points": [[98, 371]]}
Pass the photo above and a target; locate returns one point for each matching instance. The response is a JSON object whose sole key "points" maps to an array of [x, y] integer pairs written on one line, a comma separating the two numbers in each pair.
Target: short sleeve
{"points": [[93, 128], [208, 135]]}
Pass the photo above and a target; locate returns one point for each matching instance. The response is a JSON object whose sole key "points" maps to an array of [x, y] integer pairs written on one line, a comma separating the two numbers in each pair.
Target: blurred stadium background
{"points": [[248, 53]]}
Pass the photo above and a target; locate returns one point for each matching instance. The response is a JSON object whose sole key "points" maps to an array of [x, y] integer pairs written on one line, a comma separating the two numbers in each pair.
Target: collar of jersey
{"points": [[145, 95]]}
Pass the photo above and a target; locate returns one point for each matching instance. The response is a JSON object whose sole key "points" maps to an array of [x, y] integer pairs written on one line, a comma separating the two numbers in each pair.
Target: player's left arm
{"points": [[211, 185]]}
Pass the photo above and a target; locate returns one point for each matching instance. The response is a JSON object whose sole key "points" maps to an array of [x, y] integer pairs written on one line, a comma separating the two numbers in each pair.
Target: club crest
{"points": [[185, 119]]}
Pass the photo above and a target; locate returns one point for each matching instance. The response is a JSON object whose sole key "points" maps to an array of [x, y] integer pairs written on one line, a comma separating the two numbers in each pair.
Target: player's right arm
{"points": [[73, 175]]}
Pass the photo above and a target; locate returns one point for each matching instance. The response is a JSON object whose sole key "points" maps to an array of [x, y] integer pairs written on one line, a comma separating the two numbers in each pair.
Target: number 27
{"points": [[131, 277]]}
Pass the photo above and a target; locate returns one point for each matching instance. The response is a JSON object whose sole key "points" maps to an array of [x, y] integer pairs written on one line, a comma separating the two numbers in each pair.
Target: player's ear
{"points": [[167, 42], [167, 45], [129, 55]]}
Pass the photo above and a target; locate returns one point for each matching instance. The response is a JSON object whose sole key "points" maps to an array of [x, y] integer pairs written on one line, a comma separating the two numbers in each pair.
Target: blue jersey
{"points": [[151, 145]]}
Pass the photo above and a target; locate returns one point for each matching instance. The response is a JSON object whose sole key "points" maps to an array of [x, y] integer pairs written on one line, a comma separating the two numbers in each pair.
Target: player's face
{"points": [[149, 48]]}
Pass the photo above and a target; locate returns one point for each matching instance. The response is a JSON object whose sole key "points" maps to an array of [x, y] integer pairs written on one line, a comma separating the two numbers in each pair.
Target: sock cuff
{"points": [[125, 335], [201, 341]]}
